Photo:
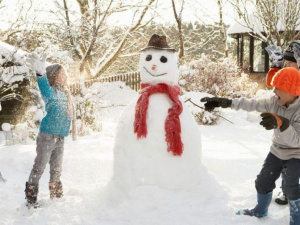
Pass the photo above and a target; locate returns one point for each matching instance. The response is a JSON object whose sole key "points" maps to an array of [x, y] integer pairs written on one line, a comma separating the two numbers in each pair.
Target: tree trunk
{"points": [[178, 19]]}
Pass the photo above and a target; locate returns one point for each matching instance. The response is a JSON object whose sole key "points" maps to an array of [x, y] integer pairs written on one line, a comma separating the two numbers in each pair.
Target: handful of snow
{"points": [[39, 115], [6, 127]]}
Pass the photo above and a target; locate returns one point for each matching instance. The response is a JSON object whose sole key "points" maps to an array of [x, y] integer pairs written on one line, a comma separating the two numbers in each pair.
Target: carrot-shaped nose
{"points": [[153, 67]]}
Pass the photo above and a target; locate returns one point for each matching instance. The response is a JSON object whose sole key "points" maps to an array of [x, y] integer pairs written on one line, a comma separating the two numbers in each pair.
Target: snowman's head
{"points": [[158, 62]]}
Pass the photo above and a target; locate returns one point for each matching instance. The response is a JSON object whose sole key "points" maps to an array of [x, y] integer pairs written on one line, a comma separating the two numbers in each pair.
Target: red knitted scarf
{"points": [[172, 123]]}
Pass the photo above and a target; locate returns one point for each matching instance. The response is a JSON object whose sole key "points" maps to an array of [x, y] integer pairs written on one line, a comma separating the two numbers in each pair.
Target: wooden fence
{"points": [[131, 79]]}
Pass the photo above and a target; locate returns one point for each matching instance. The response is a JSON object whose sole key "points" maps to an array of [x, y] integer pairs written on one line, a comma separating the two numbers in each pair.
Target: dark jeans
{"points": [[271, 171]]}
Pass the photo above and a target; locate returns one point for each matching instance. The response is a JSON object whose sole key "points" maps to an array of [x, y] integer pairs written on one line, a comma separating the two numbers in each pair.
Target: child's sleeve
{"points": [[259, 105], [292, 134], [44, 86]]}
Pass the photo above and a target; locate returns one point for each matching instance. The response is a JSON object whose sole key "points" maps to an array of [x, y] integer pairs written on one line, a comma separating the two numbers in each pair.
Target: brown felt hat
{"points": [[158, 42]]}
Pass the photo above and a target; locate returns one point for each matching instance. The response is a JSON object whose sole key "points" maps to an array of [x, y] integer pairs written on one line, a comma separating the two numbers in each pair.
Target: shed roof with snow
{"points": [[253, 25]]}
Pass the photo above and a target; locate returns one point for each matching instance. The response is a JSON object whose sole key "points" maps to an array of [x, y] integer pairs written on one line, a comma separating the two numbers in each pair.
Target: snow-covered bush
{"points": [[101, 101], [85, 112], [206, 118], [216, 78], [192, 100], [12, 72], [220, 78], [17, 93], [21, 133], [28, 119], [17, 134]]}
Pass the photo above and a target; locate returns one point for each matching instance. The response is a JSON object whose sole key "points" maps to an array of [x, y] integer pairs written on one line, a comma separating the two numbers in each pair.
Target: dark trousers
{"points": [[270, 172]]}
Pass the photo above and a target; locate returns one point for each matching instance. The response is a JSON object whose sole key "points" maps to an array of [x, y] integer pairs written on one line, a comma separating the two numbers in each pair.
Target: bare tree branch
{"points": [[178, 19], [278, 19], [117, 51]]}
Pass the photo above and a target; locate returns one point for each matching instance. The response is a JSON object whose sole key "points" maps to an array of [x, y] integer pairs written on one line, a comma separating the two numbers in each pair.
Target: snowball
{"points": [[39, 115], [6, 126]]}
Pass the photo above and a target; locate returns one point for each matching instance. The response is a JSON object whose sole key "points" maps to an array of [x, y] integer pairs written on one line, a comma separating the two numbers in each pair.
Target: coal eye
{"points": [[149, 57], [163, 59]]}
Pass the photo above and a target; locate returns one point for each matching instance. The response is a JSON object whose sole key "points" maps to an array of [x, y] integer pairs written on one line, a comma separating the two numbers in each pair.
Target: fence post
{"points": [[131, 81], [136, 81]]}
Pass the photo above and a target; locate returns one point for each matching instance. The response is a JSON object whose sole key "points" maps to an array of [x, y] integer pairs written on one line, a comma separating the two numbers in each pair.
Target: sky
{"points": [[207, 11], [204, 10], [232, 156]]}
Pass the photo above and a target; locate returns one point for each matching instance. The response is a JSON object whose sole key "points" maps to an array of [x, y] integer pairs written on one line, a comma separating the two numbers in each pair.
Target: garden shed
{"points": [[251, 54]]}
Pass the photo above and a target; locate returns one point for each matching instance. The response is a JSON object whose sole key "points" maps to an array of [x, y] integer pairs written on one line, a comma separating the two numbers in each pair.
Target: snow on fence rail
{"points": [[131, 79]]}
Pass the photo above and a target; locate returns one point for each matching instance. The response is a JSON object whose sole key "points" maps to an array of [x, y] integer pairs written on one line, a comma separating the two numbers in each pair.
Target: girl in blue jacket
{"points": [[52, 82]]}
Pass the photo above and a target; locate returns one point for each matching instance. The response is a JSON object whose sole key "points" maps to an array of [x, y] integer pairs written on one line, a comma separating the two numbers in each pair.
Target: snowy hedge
{"points": [[217, 78], [101, 102], [220, 78]]}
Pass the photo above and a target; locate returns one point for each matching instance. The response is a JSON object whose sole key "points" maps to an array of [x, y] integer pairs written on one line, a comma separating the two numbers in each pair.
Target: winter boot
{"points": [[294, 212], [56, 189], [261, 209], [281, 199], [31, 192]]}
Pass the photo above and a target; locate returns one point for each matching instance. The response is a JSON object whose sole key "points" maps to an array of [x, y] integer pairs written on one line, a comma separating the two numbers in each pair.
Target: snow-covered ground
{"points": [[231, 153]]}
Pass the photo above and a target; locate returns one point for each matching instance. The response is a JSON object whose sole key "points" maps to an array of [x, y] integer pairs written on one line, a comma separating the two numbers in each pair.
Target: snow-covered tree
{"points": [[215, 27], [274, 21], [82, 28], [12, 72]]}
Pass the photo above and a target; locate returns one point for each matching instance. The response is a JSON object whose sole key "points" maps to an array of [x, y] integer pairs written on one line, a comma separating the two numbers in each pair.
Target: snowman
{"points": [[157, 140]]}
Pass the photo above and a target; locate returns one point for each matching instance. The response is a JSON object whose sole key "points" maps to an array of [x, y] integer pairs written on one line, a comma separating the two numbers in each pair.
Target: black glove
{"points": [[214, 102], [272, 121]]}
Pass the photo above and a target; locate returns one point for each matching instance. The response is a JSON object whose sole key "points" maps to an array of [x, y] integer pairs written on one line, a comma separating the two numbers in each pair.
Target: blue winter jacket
{"points": [[57, 121]]}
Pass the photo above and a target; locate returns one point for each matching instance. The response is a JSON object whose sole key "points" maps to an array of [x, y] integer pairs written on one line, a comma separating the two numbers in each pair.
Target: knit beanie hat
{"points": [[52, 70], [288, 53], [287, 80]]}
